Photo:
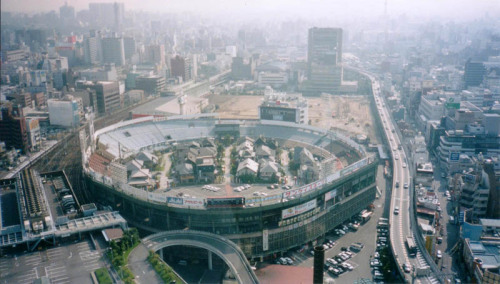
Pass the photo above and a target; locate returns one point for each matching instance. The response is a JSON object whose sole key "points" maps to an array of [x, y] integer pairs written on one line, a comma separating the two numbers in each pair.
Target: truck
{"points": [[411, 246]]}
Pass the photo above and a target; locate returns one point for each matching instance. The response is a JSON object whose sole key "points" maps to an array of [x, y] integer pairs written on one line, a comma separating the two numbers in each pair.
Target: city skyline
{"points": [[462, 10]]}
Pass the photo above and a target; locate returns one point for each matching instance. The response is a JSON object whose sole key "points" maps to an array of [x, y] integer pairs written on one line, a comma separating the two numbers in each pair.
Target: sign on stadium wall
{"points": [[299, 209], [331, 194], [175, 200], [157, 197], [194, 202]]}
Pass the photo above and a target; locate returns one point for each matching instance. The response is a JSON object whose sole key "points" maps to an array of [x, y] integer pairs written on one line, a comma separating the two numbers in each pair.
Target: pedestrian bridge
{"points": [[221, 246]]}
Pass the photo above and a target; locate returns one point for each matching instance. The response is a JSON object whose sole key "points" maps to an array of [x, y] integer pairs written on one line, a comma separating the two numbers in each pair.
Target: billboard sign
{"points": [[157, 197], [451, 104], [299, 209], [175, 200], [194, 202], [331, 194], [265, 240]]}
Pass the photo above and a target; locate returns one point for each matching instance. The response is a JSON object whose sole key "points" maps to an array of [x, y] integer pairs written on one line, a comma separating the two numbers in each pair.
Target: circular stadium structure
{"points": [[261, 219]]}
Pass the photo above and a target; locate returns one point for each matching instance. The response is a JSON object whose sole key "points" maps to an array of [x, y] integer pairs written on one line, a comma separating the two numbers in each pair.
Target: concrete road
{"points": [[68, 263]]}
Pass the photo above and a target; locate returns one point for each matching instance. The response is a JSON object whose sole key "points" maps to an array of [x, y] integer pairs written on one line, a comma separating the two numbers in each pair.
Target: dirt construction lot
{"points": [[243, 107], [348, 114]]}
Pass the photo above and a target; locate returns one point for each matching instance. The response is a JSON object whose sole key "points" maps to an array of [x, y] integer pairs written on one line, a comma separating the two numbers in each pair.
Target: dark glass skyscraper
{"points": [[324, 59]]}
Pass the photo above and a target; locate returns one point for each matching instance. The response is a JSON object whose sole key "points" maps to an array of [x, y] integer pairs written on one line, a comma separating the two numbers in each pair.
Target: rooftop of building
{"points": [[425, 167], [487, 253], [490, 222]]}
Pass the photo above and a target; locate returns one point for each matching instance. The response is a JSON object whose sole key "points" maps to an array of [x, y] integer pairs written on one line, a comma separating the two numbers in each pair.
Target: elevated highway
{"points": [[223, 247], [404, 224]]}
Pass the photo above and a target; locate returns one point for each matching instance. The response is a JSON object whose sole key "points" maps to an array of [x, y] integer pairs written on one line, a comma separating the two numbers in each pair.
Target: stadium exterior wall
{"points": [[259, 231]]}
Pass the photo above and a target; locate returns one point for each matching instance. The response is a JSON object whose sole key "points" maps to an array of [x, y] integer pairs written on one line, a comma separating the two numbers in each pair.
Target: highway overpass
{"points": [[403, 224], [223, 247]]}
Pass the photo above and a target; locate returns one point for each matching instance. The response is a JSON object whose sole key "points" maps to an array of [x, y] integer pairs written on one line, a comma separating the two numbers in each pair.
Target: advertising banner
{"points": [[194, 202], [299, 209], [157, 197], [265, 240], [331, 194], [175, 200]]}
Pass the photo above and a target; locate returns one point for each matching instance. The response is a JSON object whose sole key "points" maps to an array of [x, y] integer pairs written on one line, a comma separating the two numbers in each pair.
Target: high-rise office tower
{"points": [[180, 67], [129, 46], [113, 50], [67, 14], [91, 50], [156, 54], [474, 73], [107, 14], [324, 59]]}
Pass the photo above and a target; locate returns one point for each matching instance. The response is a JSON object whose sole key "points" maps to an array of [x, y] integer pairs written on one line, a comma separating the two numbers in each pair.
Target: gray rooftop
{"points": [[490, 222]]}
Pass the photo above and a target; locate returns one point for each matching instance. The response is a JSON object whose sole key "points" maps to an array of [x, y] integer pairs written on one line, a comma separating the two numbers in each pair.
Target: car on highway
{"points": [[405, 185], [397, 184], [407, 267], [396, 210], [439, 254], [404, 165]]}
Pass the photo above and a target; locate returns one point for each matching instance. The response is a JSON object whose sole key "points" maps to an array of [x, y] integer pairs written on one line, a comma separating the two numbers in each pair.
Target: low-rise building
{"points": [[482, 260], [67, 112], [284, 107]]}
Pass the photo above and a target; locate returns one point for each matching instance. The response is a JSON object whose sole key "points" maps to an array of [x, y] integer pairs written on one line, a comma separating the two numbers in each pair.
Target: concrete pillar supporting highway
{"points": [[161, 253], [209, 260]]}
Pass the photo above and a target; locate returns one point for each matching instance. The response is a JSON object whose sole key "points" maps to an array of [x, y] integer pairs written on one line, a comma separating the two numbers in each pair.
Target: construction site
{"points": [[350, 115]]}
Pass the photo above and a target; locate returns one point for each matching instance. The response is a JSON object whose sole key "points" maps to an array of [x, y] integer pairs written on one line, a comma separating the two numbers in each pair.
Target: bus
{"points": [[410, 245]]}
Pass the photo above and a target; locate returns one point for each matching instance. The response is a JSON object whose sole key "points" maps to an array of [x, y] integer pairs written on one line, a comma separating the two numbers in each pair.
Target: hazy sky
{"points": [[461, 9]]}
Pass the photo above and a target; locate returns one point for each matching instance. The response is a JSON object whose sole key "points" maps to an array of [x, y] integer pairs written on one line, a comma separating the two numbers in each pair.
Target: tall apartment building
{"points": [[67, 14], [474, 73], [129, 47], [13, 127], [107, 14], [107, 94], [180, 67], [65, 112], [92, 50], [324, 57], [113, 50], [477, 189], [475, 138], [155, 54]]}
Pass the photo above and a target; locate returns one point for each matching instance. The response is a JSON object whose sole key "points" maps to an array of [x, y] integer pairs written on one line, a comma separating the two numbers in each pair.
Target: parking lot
{"points": [[366, 234], [68, 263]]}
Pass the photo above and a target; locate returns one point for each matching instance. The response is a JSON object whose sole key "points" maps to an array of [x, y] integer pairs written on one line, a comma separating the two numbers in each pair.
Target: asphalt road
{"points": [[68, 263]]}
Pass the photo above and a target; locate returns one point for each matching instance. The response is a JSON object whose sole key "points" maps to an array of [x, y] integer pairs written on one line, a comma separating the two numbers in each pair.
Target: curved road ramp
{"points": [[223, 247]]}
